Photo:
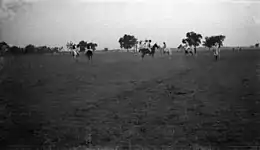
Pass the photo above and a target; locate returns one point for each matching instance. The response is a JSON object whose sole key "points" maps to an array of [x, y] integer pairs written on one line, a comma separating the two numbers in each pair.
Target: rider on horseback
{"points": [[216, 49], [164, 47], [145, 45], [140, 46], [75, 50], [149, 45]]}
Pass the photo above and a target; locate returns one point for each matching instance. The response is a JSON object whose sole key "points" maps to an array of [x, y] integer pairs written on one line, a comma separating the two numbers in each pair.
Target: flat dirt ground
{"points": [[119, 100]]}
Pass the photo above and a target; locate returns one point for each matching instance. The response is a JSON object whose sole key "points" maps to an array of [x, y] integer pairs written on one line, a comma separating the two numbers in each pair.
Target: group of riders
{"points": [[76, 50], [147, 44], [87, 52], [188, 49]]}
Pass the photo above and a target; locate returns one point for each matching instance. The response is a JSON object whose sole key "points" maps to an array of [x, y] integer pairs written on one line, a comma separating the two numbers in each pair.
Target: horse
{"points": [[161, 49], [187, 49], [167, 51], [75, 54], [146, 51], [89, 54]]}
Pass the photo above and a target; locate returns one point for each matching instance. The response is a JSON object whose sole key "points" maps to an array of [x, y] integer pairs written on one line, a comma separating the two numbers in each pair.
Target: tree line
{"points": [[6, 48], [127, 41], [192, 39]]}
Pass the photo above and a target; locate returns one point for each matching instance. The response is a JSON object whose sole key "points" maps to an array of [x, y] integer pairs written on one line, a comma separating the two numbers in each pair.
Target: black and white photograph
{"points": [[129, 74]]}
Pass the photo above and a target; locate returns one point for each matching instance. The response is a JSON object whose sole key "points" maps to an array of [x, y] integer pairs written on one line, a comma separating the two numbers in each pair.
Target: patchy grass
{"points": [[53, 102]]}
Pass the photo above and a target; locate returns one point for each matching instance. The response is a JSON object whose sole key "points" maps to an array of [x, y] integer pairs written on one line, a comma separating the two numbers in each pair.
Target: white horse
{"points": [[167, 50], [75, 53], [164, 49]]}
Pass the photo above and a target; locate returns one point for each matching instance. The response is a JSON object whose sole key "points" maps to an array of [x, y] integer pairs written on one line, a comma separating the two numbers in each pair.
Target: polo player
{"points": [[140, 45], [149, 45], [164, 46], [216, 50]]}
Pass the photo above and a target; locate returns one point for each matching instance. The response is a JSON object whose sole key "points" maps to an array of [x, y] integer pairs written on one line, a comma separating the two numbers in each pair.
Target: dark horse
{"points": [[145, 51], [89, 54]]}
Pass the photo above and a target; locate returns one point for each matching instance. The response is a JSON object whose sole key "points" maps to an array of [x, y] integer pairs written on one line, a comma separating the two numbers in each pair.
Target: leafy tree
{"points": [[192, 39], [92, 46], [82, 45], [127, 41], [208, 42], [257, 45], [30, 48], [3, 44], [219, 39], [214, 41], [15, 50], [3, 47]]}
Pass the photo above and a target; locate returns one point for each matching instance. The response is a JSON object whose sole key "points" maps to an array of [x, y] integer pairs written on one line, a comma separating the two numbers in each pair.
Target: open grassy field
{"points": [[53, 101]]}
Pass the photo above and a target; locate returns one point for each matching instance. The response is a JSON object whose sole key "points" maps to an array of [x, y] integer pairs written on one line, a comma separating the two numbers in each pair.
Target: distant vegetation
{"points": [[192, 39], [127, 41], [214, 40], [30, 49]]}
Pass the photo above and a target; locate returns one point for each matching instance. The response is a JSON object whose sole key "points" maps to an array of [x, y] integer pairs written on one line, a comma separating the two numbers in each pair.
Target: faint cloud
{"points": [[9, 8]]}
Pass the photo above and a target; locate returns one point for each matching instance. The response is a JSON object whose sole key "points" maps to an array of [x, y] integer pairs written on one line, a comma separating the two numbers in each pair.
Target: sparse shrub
{"points": [[16, 50]]}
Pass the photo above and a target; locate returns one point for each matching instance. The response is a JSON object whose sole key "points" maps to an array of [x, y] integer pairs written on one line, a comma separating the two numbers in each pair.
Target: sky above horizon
{"points": [[55, 22]]}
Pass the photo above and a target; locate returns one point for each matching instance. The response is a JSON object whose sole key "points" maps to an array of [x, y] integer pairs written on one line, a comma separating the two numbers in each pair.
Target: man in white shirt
{"points": [[216, 50], [140, 45]]}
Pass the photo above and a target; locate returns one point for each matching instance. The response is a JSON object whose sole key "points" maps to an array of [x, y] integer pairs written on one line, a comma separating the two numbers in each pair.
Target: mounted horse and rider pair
{"points": [[145, 45], [87, 52], [147, 49], [150, 51]]}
